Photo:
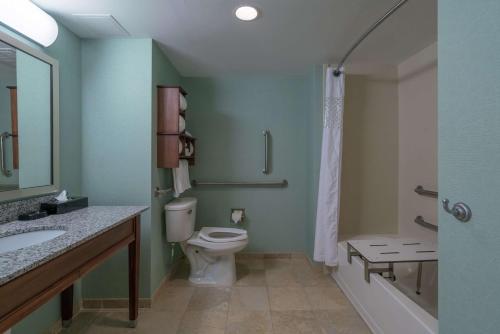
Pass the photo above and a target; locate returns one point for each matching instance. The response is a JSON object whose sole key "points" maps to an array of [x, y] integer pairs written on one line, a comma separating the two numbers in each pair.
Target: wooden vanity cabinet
{"points": [[168, 133]]}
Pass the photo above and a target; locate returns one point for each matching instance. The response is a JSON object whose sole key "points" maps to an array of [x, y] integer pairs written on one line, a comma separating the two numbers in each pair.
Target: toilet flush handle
{"points": [[190, 211]]}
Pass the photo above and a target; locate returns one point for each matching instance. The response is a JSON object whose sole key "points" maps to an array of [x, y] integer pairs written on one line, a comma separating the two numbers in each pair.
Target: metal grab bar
{"points": [[424, 192], [282, 183], [3, 160], [159, 192], [266, 134], [421, 221]]}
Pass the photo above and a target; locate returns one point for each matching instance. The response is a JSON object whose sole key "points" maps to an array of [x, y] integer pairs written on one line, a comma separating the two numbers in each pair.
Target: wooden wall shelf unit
{"points": [[168, 134]]}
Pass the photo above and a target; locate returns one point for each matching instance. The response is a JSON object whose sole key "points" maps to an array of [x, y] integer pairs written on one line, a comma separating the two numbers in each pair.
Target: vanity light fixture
{"points": [[246, 13], [29, 20]]}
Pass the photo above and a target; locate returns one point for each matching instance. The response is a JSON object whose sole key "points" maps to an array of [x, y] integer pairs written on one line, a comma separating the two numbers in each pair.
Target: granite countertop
{"points": [[80, 226]]}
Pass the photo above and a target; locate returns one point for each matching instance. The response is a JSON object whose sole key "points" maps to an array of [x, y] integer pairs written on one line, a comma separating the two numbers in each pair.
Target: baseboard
{"points": [[122, 303], [269, 255]]}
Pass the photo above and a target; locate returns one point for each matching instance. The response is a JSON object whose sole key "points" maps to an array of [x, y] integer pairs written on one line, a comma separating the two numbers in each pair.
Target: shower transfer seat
{"points": [[389, 251]]}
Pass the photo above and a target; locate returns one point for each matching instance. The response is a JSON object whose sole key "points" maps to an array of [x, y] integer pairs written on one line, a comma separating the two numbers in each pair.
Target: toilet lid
{"points": [[222, 234]]}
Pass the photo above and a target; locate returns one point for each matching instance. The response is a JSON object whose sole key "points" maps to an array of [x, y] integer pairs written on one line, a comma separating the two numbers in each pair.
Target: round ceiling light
{"points": [[246, 13]]}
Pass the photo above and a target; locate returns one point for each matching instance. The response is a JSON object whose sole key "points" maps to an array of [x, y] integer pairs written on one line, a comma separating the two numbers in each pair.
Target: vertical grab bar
{"points": [[3, 160], [266, 152]]}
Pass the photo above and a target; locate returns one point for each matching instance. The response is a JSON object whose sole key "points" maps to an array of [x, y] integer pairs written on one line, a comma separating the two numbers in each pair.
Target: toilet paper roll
{"points": [[236, 216], [182, 124]]}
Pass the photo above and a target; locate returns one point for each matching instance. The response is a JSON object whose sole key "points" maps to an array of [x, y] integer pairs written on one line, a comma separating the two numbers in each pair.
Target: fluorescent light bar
{"points": [[28, 19]]}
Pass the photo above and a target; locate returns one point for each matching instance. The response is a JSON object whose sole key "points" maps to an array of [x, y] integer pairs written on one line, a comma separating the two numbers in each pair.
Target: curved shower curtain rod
{"points": [[374, 26]]}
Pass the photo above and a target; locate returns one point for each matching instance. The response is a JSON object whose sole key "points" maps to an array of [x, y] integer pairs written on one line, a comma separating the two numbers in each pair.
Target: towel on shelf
{"points": [[180, 178], [183, 103], [182, 124], [189, 149]]}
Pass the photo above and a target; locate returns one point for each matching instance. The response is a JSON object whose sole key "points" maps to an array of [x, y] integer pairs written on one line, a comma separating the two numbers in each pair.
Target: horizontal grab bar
{"points": [[282, 183], [159, 192], [421, 221], [424, 192]]}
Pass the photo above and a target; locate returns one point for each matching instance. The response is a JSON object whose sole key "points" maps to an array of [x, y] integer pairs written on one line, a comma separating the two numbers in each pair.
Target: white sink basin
{"points": [[20, 240]]}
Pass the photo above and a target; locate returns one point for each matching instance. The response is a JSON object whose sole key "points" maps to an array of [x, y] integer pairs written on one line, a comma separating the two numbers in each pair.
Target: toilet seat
{"points": [[217, 248], [222, 234]]}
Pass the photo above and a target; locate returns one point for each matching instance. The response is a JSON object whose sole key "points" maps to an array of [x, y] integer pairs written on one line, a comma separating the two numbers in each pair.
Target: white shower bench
{"points": [[389, 251]]}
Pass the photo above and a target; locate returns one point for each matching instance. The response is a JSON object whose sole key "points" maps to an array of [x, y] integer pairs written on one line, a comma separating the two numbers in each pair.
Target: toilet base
{"points": [[220, 272]]}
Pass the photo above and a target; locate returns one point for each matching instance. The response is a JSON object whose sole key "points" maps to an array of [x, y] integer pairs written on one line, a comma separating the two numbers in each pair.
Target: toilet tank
{"points": [[180, 216]]}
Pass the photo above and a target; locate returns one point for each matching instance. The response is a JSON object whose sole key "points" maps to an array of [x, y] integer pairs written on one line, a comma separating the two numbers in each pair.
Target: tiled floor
{"points": [[280, 296]]}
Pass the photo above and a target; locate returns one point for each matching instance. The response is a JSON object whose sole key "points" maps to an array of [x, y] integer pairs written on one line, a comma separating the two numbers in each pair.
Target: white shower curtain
{"points": [[327, 212]]}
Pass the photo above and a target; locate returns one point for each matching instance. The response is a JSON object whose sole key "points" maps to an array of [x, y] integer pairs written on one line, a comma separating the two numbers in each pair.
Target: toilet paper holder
{"points": [[237, 215]]}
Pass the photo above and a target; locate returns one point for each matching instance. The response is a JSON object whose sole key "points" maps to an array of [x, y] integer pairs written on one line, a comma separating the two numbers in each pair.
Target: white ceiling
{"points": [[202, 37]]}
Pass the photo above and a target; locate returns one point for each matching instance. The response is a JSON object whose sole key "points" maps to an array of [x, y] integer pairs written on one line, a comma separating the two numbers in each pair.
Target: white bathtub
{"points": [[386, 307]]}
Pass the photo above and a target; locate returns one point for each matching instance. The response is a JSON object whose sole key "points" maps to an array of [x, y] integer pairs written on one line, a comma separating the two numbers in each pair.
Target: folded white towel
{"points": [[181, 146], [183, 103], [180, 178], [182, 124]]}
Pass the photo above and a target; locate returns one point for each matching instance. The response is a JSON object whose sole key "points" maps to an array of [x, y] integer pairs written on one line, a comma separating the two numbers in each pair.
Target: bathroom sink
{"points": [[25, 239]]}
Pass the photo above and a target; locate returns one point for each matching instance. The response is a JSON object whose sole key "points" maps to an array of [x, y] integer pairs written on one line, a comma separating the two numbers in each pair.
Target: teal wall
{"points": [[469, 136], [164, 73], [66, 50], [116, 147], [227, 115]]}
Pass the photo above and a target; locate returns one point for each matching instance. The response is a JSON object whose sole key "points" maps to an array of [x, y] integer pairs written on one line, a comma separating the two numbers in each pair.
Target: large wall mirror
{"points": [[28, 121]]}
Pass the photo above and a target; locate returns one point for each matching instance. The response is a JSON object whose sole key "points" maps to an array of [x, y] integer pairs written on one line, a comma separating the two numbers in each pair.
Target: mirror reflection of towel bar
{"points": [[282, 183], [3, 158]]}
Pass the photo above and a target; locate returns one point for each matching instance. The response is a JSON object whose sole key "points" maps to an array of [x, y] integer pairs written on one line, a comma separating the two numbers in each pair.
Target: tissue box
{"points": [[53, 207]]}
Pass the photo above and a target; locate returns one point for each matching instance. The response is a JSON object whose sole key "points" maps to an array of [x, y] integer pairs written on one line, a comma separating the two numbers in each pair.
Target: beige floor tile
{"points": [[281, 276], [111, 323], [326, 298], [313, 278], [250, 277], [344, 322], [173, 298], [295, 322], [249, 299], [81, 323], [249, 322], [288, 299], [158, 322], [250, 263], [210, 299], [194, 322], [277, 263]]}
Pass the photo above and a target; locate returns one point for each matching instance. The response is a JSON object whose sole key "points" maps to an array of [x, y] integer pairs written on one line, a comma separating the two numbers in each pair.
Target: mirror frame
{"points": [[18, 194]]}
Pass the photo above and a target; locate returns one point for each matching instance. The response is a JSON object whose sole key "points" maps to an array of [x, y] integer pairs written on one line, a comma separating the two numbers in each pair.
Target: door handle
{"points": [[460, 211]]}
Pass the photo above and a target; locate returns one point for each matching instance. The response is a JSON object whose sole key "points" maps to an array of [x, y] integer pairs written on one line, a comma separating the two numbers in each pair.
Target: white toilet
{"points": [[210, 251]]}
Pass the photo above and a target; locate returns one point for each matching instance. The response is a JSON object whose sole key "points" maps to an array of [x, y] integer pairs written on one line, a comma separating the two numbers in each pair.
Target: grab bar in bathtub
{"points": [[421, 221], [424, 192]]}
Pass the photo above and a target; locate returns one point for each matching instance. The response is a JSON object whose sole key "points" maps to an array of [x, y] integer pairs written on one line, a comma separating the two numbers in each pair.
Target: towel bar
{"points": [[282, 183]]}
